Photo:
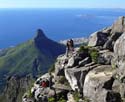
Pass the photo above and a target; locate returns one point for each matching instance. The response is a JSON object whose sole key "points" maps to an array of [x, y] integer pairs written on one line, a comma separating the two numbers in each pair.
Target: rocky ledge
{"points": [[93, 73]]}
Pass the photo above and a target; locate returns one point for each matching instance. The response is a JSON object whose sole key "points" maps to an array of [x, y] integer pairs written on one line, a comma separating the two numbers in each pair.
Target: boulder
{"points": [[105, 57], [119, 52], [76, 76], [119, 25], [97, 84], [42, 93], [117, 29], [71, 62], [59, 65], [107, 30], [119, 88], [98, 39], [84, 62]]}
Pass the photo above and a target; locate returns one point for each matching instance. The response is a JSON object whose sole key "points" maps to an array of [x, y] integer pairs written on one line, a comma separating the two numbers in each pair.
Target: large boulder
{"points": [[119, 25], [105, 57], [119, 52], [76, 76], [59, 65], [117, 29], [98, 39], [98, 84]]}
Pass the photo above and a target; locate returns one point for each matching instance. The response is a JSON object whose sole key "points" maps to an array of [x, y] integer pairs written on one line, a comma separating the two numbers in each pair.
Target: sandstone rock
{"points": [[119, 25], [43, 92], [117, 29], [105, 57], [98, 39], [16, 87], [60, 64], [119, 52], [71, 62], [97, 83], [84, 62], [107, 30], [76, 76]]}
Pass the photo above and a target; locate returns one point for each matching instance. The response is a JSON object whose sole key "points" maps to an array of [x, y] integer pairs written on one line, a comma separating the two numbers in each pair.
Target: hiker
{"points": [[67, 47], [50, 80], [44, 84], [71, 45]]}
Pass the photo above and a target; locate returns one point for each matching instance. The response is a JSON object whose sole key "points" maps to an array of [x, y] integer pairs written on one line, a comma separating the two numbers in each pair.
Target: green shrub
{"points": [[64, 81], [51, 99], [83, 49], [94, 55], [62, 99], [76, 96]]}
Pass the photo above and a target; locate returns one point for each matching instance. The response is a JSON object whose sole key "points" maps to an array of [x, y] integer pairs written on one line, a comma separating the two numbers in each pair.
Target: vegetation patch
{"points": [[76, 96], [64, 81], [94, 53]]}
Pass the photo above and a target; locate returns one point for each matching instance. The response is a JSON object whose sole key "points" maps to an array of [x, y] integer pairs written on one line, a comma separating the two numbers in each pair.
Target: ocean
{"points": [[19, 25]]}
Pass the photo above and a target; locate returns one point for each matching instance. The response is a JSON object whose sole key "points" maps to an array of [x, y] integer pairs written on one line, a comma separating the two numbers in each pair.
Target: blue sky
{"points": [[62, 3]]}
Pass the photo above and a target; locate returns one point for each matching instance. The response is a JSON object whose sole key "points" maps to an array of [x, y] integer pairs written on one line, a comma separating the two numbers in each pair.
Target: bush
{"points": [[62, 99], [64, 81], [76, 96], [94, 55], [51, 99], [83, 49]]}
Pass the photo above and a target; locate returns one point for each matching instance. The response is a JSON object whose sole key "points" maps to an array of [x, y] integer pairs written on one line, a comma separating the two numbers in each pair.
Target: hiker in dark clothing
{"points": [[67, 47], [50, 80], [71, 45]]}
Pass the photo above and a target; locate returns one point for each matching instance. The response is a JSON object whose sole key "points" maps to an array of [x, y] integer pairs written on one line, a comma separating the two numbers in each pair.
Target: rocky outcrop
{"points": [[120, 55], [15, 88], [98, 39], [93, 73], [105, 57], [98, 82], [117, 29], [107, 37], [119, 26]]}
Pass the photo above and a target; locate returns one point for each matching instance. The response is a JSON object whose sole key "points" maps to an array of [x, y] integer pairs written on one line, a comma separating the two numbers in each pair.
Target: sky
{"points": [[62, 3]]}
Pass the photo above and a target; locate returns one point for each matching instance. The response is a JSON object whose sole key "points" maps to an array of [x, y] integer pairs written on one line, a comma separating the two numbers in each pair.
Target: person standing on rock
{"points": [[50, 80], [67, 47], [71, 45]]}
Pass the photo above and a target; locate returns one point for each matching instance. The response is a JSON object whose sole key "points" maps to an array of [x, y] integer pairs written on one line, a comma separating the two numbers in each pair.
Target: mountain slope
{"points": [[34, 56]]}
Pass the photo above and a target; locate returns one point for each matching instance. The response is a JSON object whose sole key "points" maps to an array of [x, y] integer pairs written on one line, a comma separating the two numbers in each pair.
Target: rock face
{"points": [[105, 57], [98, 82], [93, 73], [15, 88], [119, 55], [119, 26], [117, 29], [98, 39], [119, 62]]}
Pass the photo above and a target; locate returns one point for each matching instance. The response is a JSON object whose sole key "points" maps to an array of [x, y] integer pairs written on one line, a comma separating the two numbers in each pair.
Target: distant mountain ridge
{"points": [[32, 57]]}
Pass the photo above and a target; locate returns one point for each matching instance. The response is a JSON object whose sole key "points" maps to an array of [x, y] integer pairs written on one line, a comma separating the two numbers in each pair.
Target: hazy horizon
{"points": [[61, 4]]}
